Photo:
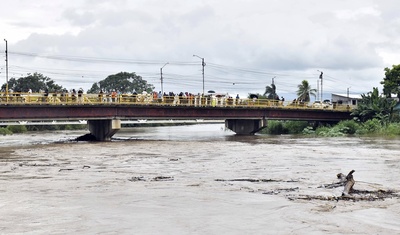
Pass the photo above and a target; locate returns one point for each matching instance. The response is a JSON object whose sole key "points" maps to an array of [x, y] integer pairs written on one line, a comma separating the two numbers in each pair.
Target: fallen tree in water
{"points": [[350, 194], [280, 186], [348, 182]]}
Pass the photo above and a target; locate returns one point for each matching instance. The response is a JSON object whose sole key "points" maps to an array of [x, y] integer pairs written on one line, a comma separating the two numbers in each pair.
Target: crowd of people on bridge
{"points": [[78, 96]]}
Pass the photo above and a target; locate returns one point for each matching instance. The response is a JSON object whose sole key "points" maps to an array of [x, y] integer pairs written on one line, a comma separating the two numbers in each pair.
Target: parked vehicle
{"points": [[324, 105]]}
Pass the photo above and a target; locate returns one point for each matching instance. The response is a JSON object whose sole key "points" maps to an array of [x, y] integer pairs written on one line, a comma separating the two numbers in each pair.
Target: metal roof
{"points": [[350, 96]]}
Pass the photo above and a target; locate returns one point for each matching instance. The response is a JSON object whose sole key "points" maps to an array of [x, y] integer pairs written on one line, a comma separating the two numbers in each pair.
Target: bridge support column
{"points": [[245, 126], [103, 130]]}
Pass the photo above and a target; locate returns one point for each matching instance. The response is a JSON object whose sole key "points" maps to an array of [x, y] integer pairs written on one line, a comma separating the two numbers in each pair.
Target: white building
{"points": [[346, 99]]}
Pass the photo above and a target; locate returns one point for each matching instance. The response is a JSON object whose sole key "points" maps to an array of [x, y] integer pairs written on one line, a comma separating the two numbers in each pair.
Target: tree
{"points": [[372, 105], [35, 82], [123, 82], [94, 89], [305, 91], [391, 81], [258, 95], [270, 92]]}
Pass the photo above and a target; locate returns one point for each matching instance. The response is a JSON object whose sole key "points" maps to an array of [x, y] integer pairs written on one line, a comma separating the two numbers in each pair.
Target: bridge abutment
{"points": [[103, 130], [245, 126]]}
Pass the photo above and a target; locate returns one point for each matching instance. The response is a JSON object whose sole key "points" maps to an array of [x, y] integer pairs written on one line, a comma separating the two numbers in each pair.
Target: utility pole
{"points": [[6, 70], [162, 88], [273, 80], [203, 64]]}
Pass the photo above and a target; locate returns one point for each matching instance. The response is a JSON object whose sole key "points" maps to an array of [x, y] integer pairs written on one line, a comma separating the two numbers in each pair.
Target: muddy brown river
{"points": [[198, 179]]}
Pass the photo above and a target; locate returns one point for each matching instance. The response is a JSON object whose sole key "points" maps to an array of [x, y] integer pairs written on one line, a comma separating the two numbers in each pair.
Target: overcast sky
{"points": [[246, 44]]}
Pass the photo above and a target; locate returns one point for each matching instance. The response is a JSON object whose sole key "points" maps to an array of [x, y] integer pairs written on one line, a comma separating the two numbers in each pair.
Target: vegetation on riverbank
{"points": [[373, 127], [14, 129], [375, 115]]}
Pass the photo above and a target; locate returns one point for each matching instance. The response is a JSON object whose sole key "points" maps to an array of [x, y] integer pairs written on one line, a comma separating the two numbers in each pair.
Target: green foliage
{"points": [[275, 128], [343, 128], [43, 128], [74, 127], [123, 82], [395, 117], [393, 129], [308, 131], [258, 95], [335, 131], [17, 129], [55, 127], [285, 127], [321, 130], [391, 81], [35, 82], [5, 131], [348, 126], [94, 89], [371, 126], [305, 91], [374, 106], [296, 127]]}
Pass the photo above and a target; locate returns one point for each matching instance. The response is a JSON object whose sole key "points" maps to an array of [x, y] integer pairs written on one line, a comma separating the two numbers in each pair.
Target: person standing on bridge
{"points": [[101, 94], [80, 96], [73, 95], [46, 94], [113, 95], [29, 95]]}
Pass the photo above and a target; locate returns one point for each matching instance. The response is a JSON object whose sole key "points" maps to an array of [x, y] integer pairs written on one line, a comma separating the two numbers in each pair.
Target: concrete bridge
{"points": [[104, 119]]}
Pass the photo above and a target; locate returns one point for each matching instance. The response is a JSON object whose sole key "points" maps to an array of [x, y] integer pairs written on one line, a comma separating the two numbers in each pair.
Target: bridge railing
{"points": [[18, 98]]}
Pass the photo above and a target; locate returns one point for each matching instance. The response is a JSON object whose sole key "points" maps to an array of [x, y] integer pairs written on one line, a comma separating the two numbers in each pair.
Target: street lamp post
{"points": [[162, 88], [348, 95], [202, 64], [6, 70], [321, 77]]}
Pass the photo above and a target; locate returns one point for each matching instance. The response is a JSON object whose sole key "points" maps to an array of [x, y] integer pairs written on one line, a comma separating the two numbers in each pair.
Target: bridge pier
{"points": [[103, 130], [245, 126]]}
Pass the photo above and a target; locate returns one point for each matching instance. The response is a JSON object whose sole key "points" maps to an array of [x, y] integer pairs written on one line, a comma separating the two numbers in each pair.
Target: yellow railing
{"points": [[150, 99]]}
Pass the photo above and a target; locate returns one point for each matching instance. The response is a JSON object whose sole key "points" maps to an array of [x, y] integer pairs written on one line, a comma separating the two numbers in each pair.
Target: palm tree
{"points": [[270, 92], [305, 91]]}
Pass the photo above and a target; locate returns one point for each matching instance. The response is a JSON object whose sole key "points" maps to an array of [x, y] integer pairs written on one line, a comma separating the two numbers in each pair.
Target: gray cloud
{"points": [[78, 18], [287, 39]]}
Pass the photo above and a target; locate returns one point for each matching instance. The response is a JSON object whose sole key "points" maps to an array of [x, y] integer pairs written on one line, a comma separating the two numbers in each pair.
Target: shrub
{"points": [[321, 130], [295, 127], [308, 131], [330, 132], [371, 126], [5, 131], [73, 127], [348, 126], [17, 129], [392, 129], [275, 128]]}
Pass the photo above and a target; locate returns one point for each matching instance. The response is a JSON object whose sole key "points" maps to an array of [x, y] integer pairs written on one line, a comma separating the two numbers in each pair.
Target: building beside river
{"points": [[346, 99]]}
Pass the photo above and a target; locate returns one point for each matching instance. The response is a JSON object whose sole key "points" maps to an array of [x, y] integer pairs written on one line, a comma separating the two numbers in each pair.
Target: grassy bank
{"points": [[343, 128], [9, 130]]}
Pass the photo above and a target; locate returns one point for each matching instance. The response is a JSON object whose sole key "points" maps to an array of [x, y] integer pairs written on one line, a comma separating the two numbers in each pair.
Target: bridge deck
{"points": [[91, 107]]}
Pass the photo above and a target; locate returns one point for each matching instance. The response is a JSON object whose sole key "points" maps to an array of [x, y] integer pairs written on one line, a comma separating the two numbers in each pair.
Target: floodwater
{"points": [[197, 179]]}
